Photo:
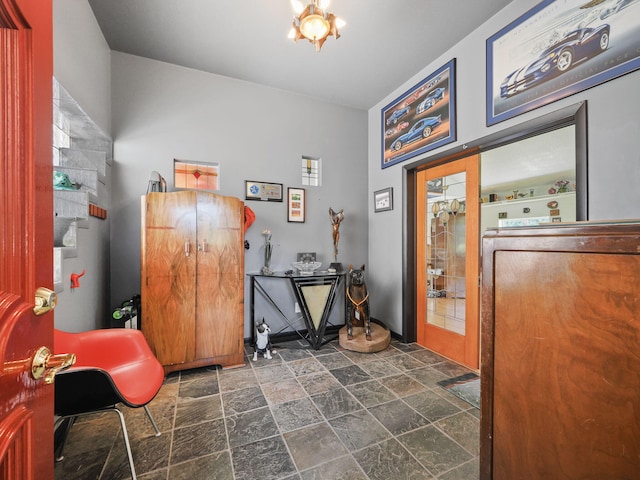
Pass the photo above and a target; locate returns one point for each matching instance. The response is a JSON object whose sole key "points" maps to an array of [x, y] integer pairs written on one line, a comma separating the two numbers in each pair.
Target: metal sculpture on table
{"points": [[336, 219]]}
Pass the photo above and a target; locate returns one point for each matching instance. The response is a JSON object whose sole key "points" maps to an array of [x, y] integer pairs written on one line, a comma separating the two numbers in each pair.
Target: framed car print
{"points": [[557, 49], [421, 119], [295, 205], [264, 191]]}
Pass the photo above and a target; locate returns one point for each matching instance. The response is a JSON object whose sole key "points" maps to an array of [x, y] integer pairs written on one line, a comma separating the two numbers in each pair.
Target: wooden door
{"points": [[26, 235], [168, 267], [447, 231], [220, 279]]}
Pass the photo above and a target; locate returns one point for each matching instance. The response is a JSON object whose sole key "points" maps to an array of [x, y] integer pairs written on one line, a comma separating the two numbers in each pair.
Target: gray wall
{"points": [[614, 158], [82, 65], [162, 111]]}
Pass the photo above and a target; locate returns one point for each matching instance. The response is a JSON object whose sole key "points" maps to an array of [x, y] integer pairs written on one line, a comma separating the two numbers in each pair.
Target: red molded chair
{"points": [[112, 366]]}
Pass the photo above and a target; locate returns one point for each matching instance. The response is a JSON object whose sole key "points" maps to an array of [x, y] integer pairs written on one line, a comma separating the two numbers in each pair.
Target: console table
{"points": [[315, 294]]}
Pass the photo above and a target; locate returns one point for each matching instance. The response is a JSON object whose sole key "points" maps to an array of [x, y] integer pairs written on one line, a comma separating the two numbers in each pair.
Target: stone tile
{"points": [[237, 379], [198, 440], [350, 375], [451, 369], [284, 391], [402, 385], [195, 373], [358, 430], [390, 460], [379, 368], [238, 401], [428, 376], [437, 452], [398, 417], [291, 354], [273, 373], [371, 393], [82, 465], [343, 468], [427, 357], [311, 446], [450, 397], [306, 366], [334, 360], [155, 475], [387, 352], [464, 429], [296, 414], [266, 459], [319, 383], [431, 405], [467, 471], [405, 362], [335, 403], [202, 467], [249, 427], [198, 410], [200, 387], [149, 454], [326, 349], [358, 357], [407, 347]]}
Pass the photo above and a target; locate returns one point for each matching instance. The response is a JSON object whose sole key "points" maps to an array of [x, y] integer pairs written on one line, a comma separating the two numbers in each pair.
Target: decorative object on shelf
{"points": [[156, 183], [295, 205], [75, 279], [264, 191], [98, 212], [383, 200], [314, 23], [61, 181], [429, 111], [563, 186], [306, 268], [552, 204], [268, 249]]}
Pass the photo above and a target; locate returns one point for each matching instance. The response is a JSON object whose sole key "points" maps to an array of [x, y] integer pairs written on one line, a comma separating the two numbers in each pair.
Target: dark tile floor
{"points": [[304, 415]]}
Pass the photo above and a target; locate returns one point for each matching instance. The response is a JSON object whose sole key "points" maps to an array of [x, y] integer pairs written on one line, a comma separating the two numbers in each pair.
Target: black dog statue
{"points": [[358, 304], [262, 343]]}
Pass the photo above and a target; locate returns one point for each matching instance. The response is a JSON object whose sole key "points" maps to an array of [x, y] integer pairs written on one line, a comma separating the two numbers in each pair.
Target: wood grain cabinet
{"points": [[192, 278], [561, 353]]}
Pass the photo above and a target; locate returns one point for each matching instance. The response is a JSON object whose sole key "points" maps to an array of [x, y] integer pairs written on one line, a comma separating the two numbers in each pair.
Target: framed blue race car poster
{"points": [[557, 49], [421, 119]]}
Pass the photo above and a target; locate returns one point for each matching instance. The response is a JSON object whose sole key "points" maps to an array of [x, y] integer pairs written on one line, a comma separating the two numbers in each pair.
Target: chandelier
{"points": [[314, 23]]}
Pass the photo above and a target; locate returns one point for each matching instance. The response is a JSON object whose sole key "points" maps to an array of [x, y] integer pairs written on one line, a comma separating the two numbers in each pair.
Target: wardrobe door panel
{"points": [[168, 268]]}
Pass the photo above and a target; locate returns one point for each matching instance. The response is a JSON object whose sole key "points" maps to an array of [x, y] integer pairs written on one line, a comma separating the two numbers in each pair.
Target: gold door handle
{"points": [[45, 364], [45, 301]]}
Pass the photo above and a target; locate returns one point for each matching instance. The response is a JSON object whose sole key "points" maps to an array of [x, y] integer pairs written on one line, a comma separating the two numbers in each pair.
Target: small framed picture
{"points": [[264, 191], [295, 205], [383, 200]]}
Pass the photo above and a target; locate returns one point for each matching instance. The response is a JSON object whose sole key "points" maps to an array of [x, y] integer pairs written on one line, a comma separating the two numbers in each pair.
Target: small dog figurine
{"points": [[358, 305], [262, 344]]}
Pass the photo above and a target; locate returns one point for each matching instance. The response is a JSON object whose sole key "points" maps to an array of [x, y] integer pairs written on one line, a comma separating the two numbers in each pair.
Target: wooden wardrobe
{"points": [[561, 353], [192, 278]]}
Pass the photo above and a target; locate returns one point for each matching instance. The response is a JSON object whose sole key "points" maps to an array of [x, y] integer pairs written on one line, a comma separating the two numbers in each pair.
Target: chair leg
{"points": [[61, 430], [127, 444], [153, 422]]}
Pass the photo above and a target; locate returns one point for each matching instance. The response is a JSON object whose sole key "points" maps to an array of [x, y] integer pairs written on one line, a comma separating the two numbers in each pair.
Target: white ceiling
{"points": [[384, 42]]}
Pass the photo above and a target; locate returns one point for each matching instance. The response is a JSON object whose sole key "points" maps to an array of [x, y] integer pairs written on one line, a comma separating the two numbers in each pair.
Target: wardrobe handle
{"points": [[205, 246], [187, 249]]}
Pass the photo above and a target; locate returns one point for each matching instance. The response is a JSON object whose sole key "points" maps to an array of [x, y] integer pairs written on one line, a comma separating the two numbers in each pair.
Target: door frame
{"points": [[575, 114]]}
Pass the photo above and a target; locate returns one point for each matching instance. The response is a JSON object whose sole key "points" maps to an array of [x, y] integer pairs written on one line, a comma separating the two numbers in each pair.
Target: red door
{"points": [[26, 237]]}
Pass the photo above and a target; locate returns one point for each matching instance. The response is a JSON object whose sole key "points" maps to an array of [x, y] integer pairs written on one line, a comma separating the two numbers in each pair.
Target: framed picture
{"points": [[295, 205], [422, 119], [558, 48], [196, 175], [383, 200], [264, 191]]}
